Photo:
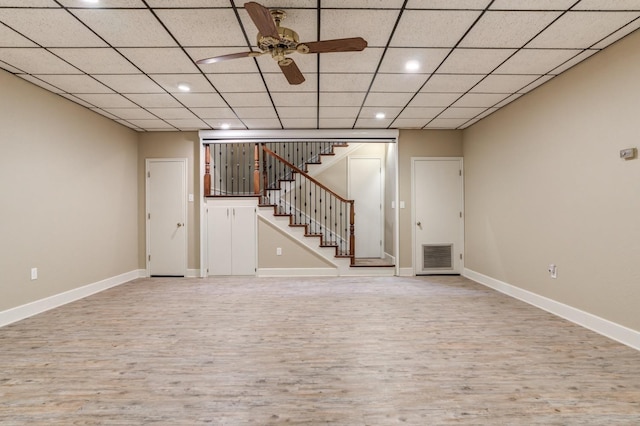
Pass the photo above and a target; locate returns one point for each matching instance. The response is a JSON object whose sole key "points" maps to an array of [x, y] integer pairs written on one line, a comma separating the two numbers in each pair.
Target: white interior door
{"points": [[219, 239], [166, 217], [243, 260], [365, 188], [438, 216]]}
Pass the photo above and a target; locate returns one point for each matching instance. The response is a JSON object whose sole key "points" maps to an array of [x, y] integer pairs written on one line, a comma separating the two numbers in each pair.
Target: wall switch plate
{"points": [[402, 204], [629, 153], [553, 271], [279, 251], [191, 198], [34, 273]]}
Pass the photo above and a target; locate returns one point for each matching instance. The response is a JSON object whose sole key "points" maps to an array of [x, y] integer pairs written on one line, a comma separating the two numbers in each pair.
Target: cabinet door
{"points": [[243, 246], [219, 240]]}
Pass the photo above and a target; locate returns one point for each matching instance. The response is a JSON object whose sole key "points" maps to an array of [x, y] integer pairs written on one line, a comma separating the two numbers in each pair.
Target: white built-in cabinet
{"points": [[231, 239]]}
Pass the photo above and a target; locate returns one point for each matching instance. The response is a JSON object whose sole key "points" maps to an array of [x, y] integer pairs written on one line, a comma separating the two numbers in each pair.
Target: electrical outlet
{"points": [[34, 273], [279, 251], [553, 271]]}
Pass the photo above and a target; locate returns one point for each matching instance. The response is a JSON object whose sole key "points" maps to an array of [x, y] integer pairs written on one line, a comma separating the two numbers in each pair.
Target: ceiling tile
{"points": [[467, 61], [276, 82], [102, 3], [387, 99], [160, 60], [218, 123], [228, 83], [262, 123], [342, 99], [372, 25], [200, 99], [508, 100], [370, 112], [507, 29], [130, 113], [9, 68], [170, 82], [582, 29], [345, 82], [421, 113], [434, 99], [154, 100], [409, 123], [50, 27], [10, 38], [76, 83], [373, 123], [255, 112], [132, 126], [40, 83], [254, 99], [504, 83], [36, 61], [104, 113], [432, 28], [429, 59], [536, 61], [461, 113], [194, 27], [243, 65], [75, 99], [573, 61], [188, 123], [126, 27], [155, 124], [299, 123], [96, 60], [359, 62], [171, 113], [288, 4], [124, 83], [531, 4], [107, 100], [480, 100], [336, 123], [448, 4], [214, 113], [628, 29], [32, 3], [284, 99], [364, 4], [536, 83], [307, 63], [454, 83], [172, 4], [297, 112], [398, 82], [339, 112], [608, 5], [446, 123]]}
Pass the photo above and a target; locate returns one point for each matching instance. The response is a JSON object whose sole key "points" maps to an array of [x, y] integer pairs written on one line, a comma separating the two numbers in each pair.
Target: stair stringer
{"points": [[342, 265], [340, 152]]}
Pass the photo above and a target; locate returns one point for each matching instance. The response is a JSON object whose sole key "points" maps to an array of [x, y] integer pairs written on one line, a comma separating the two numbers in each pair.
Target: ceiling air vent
{"points": [[437, 256]]}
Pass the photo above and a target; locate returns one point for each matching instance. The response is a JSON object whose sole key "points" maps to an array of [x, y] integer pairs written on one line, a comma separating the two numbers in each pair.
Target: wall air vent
{"points": [[437, 256]]}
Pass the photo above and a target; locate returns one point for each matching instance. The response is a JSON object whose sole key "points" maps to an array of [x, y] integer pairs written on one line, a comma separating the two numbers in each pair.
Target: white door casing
{"points": [[437, 215], [166, 214], [366, 188]]}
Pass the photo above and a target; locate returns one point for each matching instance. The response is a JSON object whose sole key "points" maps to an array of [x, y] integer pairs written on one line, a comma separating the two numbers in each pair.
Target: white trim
{"points": [[592, 322], [193, 273], [33, 308], [297, 272], [406, 272], [369, 135]]}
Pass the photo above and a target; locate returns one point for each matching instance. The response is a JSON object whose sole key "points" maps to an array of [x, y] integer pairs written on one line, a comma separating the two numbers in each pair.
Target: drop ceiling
{"points": [[126, 59]]}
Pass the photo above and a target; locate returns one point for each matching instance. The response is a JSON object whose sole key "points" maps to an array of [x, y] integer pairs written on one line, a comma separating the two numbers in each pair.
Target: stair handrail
{"points": [[352, 239]]}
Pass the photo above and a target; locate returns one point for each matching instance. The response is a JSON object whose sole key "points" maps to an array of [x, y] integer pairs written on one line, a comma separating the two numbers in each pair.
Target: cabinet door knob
{"points": [[180, 224]]}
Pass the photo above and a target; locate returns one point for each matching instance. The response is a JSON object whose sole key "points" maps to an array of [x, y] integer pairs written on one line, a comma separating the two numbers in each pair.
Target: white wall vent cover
{"points": [[437, 256]]}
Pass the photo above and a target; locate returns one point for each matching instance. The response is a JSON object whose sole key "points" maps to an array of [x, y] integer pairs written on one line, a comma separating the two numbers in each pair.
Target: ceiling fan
{"points": [[280, 41]]}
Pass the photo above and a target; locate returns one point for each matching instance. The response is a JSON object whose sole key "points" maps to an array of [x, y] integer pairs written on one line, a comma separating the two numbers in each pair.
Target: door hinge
{"points": [[460, 256], [460, 215], [148, 174], [149, 216], [149, 258]]}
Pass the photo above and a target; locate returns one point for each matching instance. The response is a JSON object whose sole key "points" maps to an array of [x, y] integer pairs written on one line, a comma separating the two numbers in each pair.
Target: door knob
{"points": [[419, 223], [180, 224]]}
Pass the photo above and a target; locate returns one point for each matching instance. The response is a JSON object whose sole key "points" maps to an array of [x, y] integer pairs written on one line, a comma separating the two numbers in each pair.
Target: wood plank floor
{"points": [[343, 351]]}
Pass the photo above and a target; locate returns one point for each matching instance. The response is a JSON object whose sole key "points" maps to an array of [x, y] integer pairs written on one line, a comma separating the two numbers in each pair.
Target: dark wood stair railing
{"points": [[309, 203]]}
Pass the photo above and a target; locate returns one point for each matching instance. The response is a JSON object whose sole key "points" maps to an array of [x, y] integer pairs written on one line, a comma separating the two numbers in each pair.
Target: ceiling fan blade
{"points": [[225, 57], [262, 19], [354, 44], [291, 71]]}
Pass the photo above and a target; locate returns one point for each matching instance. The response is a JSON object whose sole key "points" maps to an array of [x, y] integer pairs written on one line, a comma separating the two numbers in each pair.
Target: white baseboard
{"points": [[600, 325], [406, 272], [193, 273], [33, 308], [297, 272]]}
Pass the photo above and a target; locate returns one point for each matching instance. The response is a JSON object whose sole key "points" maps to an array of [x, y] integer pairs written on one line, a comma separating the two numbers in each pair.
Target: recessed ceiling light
{"points": [[412, 66], [184, 87], [380, 115], [225, 126], [91, 1]]}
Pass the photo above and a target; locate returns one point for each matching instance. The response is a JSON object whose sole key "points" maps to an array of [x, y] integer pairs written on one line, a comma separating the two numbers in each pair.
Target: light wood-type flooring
{"points": [[311, 351]]}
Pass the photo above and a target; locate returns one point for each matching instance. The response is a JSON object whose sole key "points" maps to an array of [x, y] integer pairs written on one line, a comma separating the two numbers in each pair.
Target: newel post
{"points": [[256, 169], [207, 170], [352, 232]]}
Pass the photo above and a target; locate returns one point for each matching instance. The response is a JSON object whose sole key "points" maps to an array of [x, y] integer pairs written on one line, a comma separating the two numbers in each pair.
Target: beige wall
{"points": [[172, 145], [419, 143], [69, 195], [545, 184]]}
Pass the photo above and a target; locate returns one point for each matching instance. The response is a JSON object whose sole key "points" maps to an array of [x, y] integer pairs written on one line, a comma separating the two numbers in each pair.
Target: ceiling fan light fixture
{"points": [[412, 66]]}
